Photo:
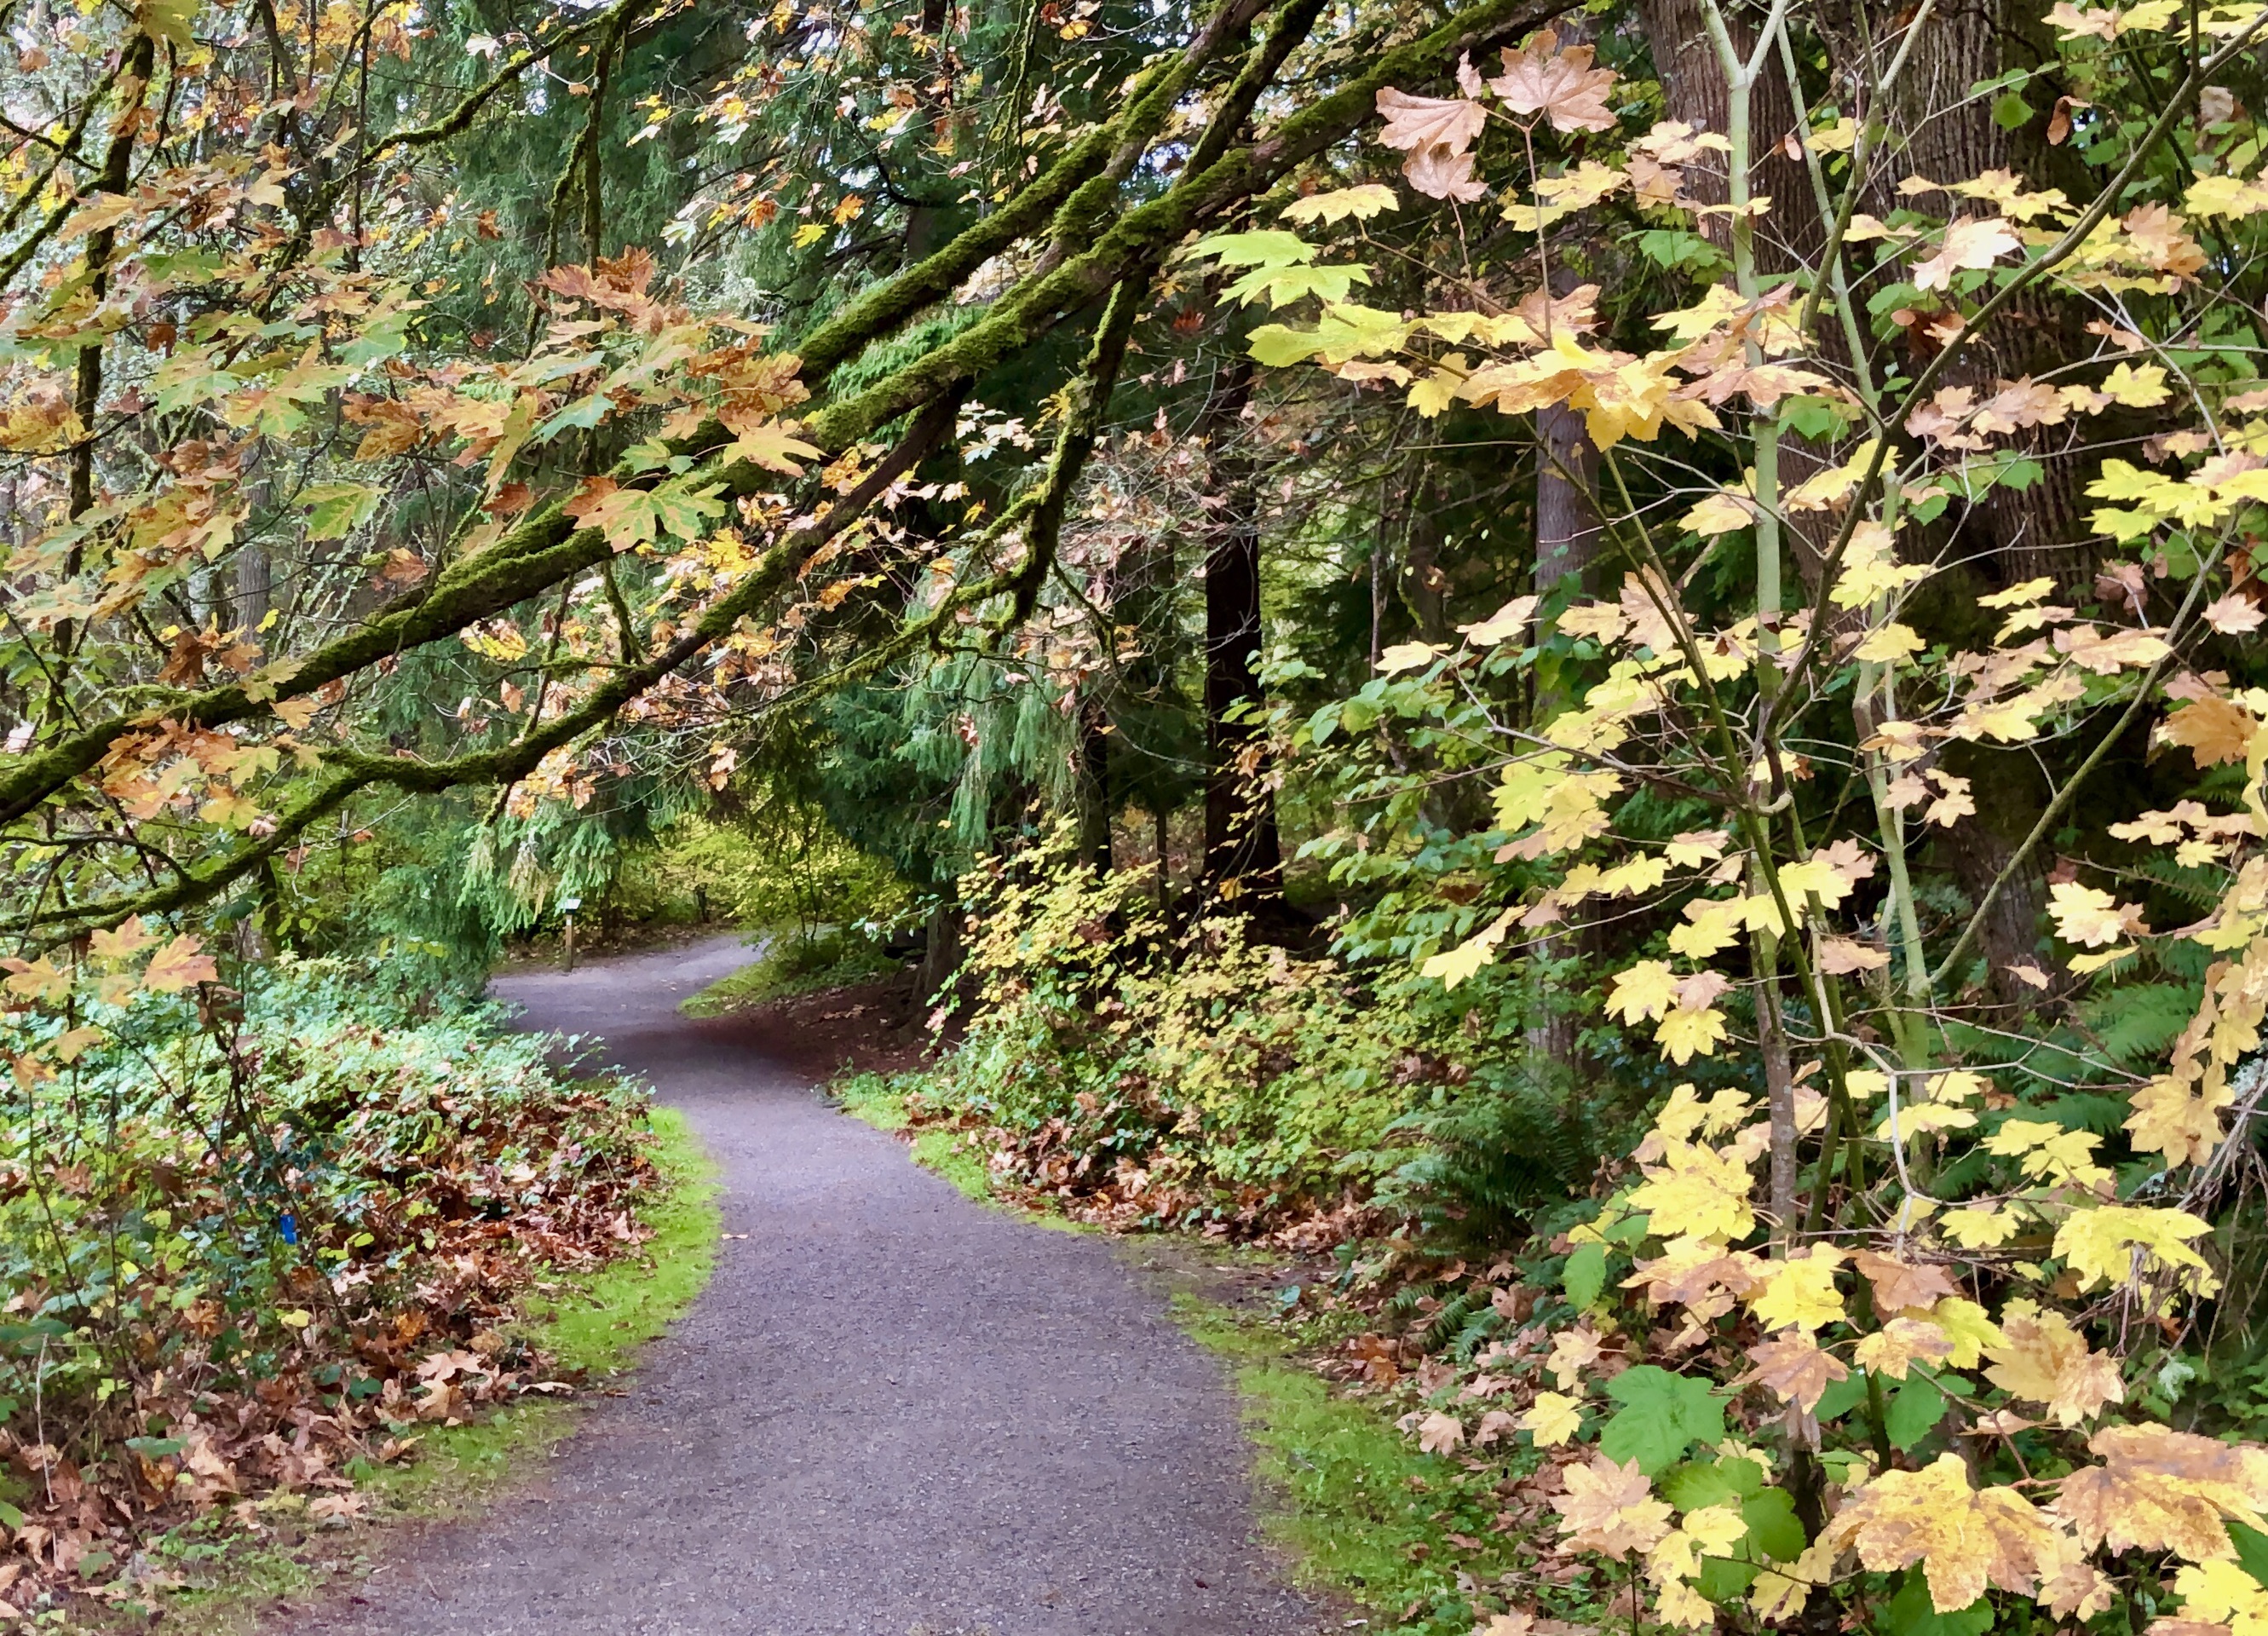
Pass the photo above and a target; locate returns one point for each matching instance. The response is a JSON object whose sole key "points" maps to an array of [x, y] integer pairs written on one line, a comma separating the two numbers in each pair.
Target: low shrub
{"points": [[248, 1238]]}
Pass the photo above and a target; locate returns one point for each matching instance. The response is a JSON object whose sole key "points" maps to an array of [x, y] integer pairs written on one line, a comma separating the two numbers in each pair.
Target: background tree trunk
{"points": [[1241, 841]]}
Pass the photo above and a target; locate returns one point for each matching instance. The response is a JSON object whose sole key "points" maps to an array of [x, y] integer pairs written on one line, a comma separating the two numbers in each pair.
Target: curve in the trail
{"points": [[893, 1412]]}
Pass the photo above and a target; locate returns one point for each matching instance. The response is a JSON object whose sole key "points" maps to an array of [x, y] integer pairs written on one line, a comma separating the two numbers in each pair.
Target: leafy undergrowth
{"points": [[233, 1568], [788, 965], [190, 1345]]}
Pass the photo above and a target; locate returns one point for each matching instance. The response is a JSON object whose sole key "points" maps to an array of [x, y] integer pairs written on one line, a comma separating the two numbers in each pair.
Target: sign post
{"points": [[568, 906]]}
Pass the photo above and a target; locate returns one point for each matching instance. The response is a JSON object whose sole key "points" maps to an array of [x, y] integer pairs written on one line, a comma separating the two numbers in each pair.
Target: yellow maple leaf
{"points": [[1978, 1227], [2158, 1490], [1967, 1326], [1894, 1348], [1966, 1540], [2111, 1243], [2170, 1117], [2137, 388], [1687, 1033], [2041, 1359], [1649, 989], [2212, 730], [1720, 513], [1800, 1294], [1610, 1508], [1698, 1193], [1796, 1366], [1552, 1419], [1573, 1352], [2086, 915], [1968, 243], [1454, 966], [1715, 1530], [2221, 1592]]}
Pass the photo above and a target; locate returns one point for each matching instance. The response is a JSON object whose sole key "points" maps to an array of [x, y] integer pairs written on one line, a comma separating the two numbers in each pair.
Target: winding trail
{"points": [[892, 1413]]}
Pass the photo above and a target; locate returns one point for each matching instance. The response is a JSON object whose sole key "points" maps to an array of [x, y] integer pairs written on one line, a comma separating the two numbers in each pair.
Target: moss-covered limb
{"points": [[353, 770], [547, 547], [1026, 313], [1082, 424], [1104, 154]]}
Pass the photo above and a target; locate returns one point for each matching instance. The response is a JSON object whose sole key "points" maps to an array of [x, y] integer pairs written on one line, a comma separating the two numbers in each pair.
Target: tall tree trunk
{"points": [[1239, 835], [1094, 796], [1567, 535]]}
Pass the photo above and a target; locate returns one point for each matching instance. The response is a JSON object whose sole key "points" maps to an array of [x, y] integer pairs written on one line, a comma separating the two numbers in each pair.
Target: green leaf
{"points": [[335, 510], [1912, 1613], [1814, 417], [1914, 1412], [1772, 1526], [1585, 1275], [2010, 111], [11, 1518], [1663, 1414], [1704, 1482], [170, 20], [1283, 286], [1840, 1397], [2251, 1550], [1268, 246], [1280, 345], [684, 512], [1722, 1579]]}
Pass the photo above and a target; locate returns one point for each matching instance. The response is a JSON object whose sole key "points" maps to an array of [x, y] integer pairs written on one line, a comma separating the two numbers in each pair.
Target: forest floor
{"points": [[893, 1412]]}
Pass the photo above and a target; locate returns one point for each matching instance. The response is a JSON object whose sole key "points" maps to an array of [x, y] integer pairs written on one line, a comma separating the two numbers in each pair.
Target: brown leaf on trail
{"points": [[2211, 729], [177, 965], [1441, 1434], [1899, 1284], [1416, 123], [1796, 1366], [2158, 1489], [1965, 1540], [1541, 78]]}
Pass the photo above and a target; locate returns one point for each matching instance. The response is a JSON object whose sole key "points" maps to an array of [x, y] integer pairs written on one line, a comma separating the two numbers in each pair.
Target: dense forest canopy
{"points": [[1416, 597]]}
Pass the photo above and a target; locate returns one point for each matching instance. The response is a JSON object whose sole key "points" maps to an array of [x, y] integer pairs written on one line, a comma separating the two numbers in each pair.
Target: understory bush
{"points": [[1143, 1074], [248, 1237]]}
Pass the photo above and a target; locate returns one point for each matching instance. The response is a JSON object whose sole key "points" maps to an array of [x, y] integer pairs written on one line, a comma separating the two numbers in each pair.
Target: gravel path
{"points": [[894, 1412]]}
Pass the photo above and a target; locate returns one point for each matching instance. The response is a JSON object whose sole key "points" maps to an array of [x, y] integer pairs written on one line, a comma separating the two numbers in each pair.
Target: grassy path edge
{"points": [[599, 1324]]}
